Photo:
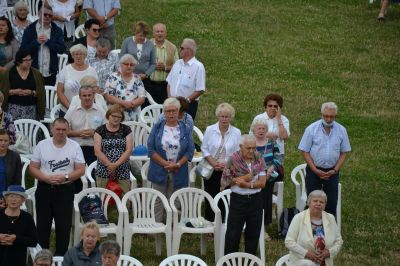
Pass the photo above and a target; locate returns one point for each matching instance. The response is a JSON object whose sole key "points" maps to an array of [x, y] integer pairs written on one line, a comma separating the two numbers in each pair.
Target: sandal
{"points": [[381, 17]]}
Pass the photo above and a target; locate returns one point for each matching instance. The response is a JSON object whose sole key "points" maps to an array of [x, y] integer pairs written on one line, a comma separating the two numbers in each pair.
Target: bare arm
{"points": [[79, 170], [97, 150], [340, 162], [194, 95], [282, 133], [128, 150], [61, 95]]}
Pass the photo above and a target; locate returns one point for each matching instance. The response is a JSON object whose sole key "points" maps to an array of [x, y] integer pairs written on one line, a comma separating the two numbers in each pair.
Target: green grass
{"points": [[309, 52]]}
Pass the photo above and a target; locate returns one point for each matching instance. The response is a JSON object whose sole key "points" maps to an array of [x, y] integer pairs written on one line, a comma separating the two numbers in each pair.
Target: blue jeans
{"points": [[330, 187]]}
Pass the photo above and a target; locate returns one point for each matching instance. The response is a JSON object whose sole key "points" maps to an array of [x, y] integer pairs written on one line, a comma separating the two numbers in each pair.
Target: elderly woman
{"points": [[273, 160], [69, 78], [113, 145], [170, 147], [313, 233], [110, 251], [23, 88], [278, 124], [220, 141], [183, 115], [17, 228], [87, 251], [244, 172], [64, 14], [44, 257], [7, 121], [20, 21], [8, 45], [126, 88], [10, 163], [142, 49]]}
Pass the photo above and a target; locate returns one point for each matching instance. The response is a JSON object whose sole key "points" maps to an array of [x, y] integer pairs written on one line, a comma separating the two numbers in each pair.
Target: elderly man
{"points": [[167, 55], [44, 45], [105, 63], [104, 11], [83, 119], [187, 77], [56, 163], [245, 173], [43, 258], [324, 146]]}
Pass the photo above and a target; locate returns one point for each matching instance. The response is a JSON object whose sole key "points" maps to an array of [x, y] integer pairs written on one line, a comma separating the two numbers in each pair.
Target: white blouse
{"points": [[65, 10]]}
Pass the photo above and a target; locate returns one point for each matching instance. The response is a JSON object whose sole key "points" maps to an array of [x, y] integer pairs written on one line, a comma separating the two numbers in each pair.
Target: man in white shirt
{"points": [[56, 163], [83, 120], [187, 77]]}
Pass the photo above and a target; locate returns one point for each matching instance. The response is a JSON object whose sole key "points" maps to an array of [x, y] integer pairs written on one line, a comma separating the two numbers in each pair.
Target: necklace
{"points": [[13, 218], [23, 73]]}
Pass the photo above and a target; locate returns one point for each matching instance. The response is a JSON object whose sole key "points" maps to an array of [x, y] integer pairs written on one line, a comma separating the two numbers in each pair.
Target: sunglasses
{"points": [[47, 15], [95, 30]]}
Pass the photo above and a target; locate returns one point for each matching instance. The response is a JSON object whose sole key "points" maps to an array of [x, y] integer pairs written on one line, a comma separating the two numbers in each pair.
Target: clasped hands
{"points": [[317, 258], [171, 166], [242, 181], [21, 92], [324, 175], [7, 240]]}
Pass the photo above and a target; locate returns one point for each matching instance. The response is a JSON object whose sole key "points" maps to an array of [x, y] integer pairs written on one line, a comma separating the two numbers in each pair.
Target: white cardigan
{"points": [[299, 238]]}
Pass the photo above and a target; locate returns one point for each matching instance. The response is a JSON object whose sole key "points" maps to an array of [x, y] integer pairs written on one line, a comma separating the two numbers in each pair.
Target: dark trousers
{"points": [[244, 210], [193, 108], [212, 187], [54, 202], [88, 154], [330, 187], [157, 90], [50, 80], [267, 192]]}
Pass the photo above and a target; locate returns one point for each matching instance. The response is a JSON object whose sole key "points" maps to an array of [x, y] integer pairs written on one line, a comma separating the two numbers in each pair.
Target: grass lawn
{"points": [[309, 52]]}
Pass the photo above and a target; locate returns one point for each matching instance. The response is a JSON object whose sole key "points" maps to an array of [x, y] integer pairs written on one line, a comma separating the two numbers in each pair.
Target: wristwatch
{"points": [[105, 18], [66, 177]]}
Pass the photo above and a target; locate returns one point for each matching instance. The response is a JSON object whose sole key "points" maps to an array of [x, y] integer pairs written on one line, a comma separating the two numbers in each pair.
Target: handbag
{"points": [[113, 185], [204, 169], [90, 209]]}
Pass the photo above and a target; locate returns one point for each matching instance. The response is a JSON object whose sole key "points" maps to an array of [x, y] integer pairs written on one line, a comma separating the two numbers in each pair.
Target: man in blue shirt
{"points": [[324, 146], [104, 11]]}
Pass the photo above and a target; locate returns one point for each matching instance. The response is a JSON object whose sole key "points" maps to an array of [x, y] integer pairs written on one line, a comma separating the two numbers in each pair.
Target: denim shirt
{"points": [[157, 174]]}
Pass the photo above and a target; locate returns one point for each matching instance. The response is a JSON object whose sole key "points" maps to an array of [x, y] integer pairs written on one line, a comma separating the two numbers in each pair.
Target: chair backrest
{"points": [[51, 96], [191, 201], [89, 170], [25, 164], [150, 98], [198, 133], [9, 14], [33, 6], [150, 114], [143, 202], [115, 52], [31, 198], [125, 260], [224, 197], [143, 172], [284, 260], [140, 132], [55, 111], [30, 128], [300, 171], [62, 61], [183, 260], [57, 261], [239, 259], [80, 31]]}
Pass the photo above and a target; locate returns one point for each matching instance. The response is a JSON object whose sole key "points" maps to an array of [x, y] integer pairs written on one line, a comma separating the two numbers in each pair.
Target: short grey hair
{"points": [[247, 137], [159, 24], [44, 254], [329, 105], [172, 101], [225, 107], [127, 57], [103, 42], [192, 44], [110, 247], [257, 122], [316, 194], [78, 48], [89, 81], [19, 5]]}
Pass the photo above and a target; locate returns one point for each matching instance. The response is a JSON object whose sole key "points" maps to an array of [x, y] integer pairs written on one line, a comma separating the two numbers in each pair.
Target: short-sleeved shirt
{"points": [[102, 7], [113, 145], [116, 86], [53, 159], [186, 78], [325, 148]]}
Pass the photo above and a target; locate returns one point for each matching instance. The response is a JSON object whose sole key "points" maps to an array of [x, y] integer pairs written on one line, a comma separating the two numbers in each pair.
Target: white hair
{"points": [[329, 105], [192, 44], [316, 194], [247, 137], [256, 122], [78, 48], [172, 101], [127, 57]]}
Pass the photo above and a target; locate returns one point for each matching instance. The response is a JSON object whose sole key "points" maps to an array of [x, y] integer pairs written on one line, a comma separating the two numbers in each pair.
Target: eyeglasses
{"points": [[48, 15], [183, 48], [273, 105], [27, 60], [116, 116], [128, 64], [95, 30]]}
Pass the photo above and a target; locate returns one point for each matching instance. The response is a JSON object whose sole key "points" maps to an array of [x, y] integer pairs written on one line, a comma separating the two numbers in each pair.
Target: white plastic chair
{"points": [[193, 177], [140, 132], [92, 166], [105, 196], [183, 260], [225, 197], [33, 251], [150, 114], [54, 113], [80, 31], [33, 6], [115, 52], [25, 164], [57, 261], [143, 172], [301, 193], [278, 200], [62, 61], [191, 201], [198, 133], [239, 259], [125, 260], [143, 202], [51, 102], [9, 14], [31, 128], [284, 260], [150, 98]]}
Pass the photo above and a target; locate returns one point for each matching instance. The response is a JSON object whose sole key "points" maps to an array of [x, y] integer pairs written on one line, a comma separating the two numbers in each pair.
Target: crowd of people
{"points": [[98, 90]]}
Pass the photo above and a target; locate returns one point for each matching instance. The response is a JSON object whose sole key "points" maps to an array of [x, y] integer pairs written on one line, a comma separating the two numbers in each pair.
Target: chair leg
{"points": [[262, 241], [168, 242], [127, 243], [176, 240], [158, 244], [203, 244]]}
